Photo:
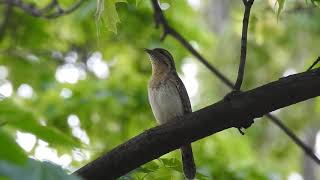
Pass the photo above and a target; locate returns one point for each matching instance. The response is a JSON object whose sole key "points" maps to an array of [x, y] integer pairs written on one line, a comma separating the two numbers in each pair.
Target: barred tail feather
{"points": [[189, 167]]}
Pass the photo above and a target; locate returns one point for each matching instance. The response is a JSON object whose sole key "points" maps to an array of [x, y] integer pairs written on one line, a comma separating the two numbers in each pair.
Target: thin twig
{"points": [[160, 20], [45, 12], [62, 12], [49, 7], [295, 139], [243, 55], [245, 2], [314, 63]]}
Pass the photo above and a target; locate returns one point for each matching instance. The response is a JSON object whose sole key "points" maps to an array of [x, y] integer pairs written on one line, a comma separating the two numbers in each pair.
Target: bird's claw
{"points": [[231, 94]]}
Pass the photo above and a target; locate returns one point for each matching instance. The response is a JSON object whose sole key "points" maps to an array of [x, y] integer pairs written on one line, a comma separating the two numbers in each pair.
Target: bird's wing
{"points": [[183, 93]]}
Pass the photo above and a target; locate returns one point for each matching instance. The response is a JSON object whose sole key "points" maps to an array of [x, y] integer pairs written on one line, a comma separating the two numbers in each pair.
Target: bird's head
{"points": [[161, 60]]}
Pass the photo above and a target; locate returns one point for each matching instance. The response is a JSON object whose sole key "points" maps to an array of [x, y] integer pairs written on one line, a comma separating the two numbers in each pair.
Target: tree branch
{"points": [[314, 63], [160, 20], [46, 12], [168, 30], [295, 139], [243, 55], [222, 115]]}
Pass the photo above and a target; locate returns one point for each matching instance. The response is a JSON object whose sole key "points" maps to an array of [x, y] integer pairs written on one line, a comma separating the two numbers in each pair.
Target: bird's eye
{"points": [[166, 54], [169, 59]]}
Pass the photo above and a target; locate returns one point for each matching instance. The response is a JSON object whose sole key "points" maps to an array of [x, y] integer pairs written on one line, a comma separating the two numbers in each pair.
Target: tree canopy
{"points": [[73, 83]]}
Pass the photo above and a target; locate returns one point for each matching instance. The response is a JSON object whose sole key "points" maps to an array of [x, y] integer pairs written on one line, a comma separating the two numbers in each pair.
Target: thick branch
{"points": [[168, 30], [222, 115], [243, 55]]}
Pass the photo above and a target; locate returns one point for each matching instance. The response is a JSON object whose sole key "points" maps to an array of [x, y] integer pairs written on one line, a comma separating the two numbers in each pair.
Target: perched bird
{"points": [[168, 98]]}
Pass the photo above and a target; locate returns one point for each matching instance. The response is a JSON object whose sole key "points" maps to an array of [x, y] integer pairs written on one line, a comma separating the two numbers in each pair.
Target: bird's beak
{"points": [[148, 51]]}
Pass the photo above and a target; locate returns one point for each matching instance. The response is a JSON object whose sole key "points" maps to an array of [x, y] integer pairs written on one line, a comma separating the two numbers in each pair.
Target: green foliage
{"points": [[281, 4], [22, 119], [11, 151], [34, 170], [315, 2], [280, 8], [111, 108], [138, 2], [107, 9], [162, 168]]}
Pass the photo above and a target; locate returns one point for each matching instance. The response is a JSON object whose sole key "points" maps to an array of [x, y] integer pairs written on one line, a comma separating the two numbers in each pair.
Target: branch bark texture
{"points": [[222, 115]]}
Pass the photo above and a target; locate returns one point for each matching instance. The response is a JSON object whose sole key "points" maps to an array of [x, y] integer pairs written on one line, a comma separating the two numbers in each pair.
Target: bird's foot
{"points": [[241, 127], [231, 95]]}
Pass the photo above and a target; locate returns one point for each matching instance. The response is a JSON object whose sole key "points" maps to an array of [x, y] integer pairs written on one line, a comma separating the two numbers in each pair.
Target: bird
{"points": [[169, 99]]}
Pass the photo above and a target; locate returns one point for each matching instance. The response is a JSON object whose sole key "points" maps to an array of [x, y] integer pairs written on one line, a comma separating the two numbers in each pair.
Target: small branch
{"points": [[50, 6], [46, 11], [160, 20], [314, 63], [295, 139], [245, 2], [162, 139], [62, 12], [243, 55]]}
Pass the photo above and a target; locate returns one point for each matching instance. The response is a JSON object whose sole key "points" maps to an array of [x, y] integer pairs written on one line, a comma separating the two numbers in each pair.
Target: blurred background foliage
{"points": [[75, 86]]}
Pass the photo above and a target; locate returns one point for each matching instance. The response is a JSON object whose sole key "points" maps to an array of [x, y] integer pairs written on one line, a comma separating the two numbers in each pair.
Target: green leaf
{"points": [[25, 120], [201, 176], [34, 170], [149, 167], [107, 9], [315, 2], [280, 8], [10, 150], [172, 163]]}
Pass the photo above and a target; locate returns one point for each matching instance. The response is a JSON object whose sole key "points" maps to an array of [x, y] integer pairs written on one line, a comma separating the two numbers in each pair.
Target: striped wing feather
{"points": [[182, 92]]}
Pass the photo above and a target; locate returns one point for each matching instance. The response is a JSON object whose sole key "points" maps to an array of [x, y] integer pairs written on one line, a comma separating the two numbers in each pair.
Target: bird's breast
{"points": [[165, 102]]}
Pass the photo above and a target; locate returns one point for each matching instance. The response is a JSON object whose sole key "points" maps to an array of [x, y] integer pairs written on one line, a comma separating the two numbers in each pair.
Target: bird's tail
{"points": [[189, 167]]}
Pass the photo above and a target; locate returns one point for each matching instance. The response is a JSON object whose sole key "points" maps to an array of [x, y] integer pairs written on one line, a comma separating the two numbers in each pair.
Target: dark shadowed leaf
{"points": [[34, 170], [10, 150]]}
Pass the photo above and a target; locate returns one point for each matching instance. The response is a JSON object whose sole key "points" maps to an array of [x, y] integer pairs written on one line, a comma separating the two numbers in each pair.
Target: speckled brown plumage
{"points": [[168, 98]]}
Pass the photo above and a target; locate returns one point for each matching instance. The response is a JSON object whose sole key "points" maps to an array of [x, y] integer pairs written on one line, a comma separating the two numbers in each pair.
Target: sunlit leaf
{"points": [[280, 8], [107, 12], [149, 167], [315, 2], [172, 163]]}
